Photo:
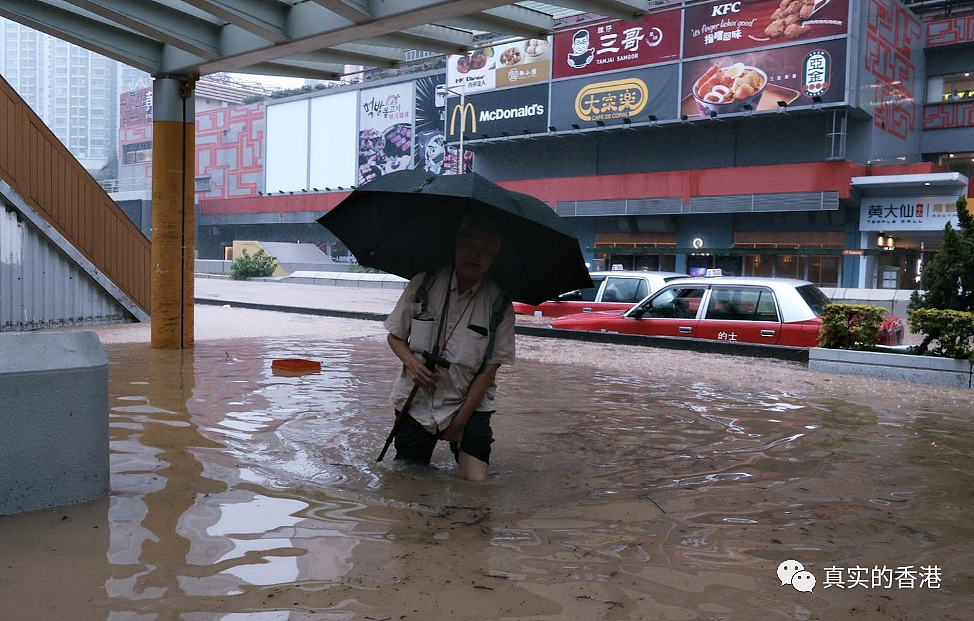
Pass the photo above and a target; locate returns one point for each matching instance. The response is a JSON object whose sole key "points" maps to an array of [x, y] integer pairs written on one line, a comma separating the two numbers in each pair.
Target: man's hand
{"points": [[415, 366], [418, 371], [454, 431]]}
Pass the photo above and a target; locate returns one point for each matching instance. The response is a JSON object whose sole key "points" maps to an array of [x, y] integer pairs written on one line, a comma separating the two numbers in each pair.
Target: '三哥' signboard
{"points": [[616, 45], [914, 213]]}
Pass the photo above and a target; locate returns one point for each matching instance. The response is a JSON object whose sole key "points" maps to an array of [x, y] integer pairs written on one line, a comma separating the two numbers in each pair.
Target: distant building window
{"points": [[203, 184], [949, 88], [137, 152]]}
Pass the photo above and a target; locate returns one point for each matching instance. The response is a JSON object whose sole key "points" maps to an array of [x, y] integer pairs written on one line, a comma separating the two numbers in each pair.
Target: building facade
{"points": [[746, 136], [73, 90]]}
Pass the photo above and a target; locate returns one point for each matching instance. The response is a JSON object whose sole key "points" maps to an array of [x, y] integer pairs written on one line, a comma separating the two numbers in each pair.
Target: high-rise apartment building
{"points": [[73, 90]]}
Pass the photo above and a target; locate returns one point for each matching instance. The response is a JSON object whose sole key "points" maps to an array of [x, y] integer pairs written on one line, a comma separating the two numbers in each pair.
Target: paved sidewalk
{"points": [[298, 296]]}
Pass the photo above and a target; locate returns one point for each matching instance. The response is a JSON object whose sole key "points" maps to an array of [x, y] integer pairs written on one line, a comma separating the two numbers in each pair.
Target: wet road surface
{"points": [[238, 493]]}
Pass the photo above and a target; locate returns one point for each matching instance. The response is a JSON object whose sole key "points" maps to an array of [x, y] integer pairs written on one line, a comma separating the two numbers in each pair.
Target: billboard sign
{"points": [[385, 130], [611, 98], [616, 45], [491, 115], [431, 152], [500, 65], [723, 27], [758, 81], [912, 213]]}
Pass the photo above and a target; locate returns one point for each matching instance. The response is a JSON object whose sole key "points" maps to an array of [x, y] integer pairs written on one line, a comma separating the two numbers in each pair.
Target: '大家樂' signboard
{"points": [[632, 94], [722, 27], [616, 45], [913, 213]]}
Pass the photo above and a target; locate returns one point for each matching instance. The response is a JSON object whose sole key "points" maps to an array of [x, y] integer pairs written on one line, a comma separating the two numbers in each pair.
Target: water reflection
{"points": [[241, 494]]}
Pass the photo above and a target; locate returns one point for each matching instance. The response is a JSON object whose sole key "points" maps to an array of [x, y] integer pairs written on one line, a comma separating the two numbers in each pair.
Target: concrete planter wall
{"points": [[54, 417], [893, 366]]}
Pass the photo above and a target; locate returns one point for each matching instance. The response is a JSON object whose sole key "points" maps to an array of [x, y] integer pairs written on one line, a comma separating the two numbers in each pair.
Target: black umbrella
{"points": [[406, 222]]}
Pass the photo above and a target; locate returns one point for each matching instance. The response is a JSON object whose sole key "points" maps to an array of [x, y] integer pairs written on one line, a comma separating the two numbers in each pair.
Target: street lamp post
{"points": [[463, 120]]}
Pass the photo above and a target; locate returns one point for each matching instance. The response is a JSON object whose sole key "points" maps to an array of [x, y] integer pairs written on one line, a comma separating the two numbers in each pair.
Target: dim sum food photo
{"points": [[728, 89], [511, 56]]}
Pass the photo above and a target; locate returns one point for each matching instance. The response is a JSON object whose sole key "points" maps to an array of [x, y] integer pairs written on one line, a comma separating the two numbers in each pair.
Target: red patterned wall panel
{"points": [[950, 31], [946, 116], [892, 39], [230, 151]]}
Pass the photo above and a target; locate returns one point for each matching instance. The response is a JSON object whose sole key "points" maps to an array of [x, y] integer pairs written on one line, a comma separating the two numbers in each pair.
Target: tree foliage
{"points": [[947, 282]]}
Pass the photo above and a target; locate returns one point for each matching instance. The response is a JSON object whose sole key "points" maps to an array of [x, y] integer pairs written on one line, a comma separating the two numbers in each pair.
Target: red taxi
{"points": [[767, 311], [617, 290]]}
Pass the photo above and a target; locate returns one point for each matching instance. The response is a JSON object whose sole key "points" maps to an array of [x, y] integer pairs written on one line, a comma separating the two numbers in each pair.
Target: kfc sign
{"points": [[724, 27], [724, 9], [617, 45]]}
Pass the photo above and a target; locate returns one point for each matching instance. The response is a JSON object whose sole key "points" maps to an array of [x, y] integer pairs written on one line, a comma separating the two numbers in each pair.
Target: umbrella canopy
{"points": [[406, 222]]}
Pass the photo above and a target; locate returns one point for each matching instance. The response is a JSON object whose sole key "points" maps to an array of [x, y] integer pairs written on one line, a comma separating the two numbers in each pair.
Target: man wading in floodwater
{"points": [[458, 313]]}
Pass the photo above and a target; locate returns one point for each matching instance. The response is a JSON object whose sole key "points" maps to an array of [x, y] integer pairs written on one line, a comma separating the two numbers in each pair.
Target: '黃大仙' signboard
{"points": [[610, 98], [616, 45], [723, 27], [913, 213]]}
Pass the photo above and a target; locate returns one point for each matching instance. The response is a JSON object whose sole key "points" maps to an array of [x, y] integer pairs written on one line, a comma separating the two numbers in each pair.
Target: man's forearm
{"points": [[400, 347]]}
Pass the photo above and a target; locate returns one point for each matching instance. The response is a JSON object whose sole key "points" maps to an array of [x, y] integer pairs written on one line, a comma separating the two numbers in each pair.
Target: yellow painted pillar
{"points": [[173, 212]]}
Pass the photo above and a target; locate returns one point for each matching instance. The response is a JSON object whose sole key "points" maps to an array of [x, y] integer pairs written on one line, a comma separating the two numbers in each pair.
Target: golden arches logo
{"points": [[463, 114], [611, 100]]}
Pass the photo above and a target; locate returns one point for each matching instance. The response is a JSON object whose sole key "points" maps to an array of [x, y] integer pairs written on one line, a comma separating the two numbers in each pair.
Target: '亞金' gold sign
{"points": [[611, 100], [463, 114]]}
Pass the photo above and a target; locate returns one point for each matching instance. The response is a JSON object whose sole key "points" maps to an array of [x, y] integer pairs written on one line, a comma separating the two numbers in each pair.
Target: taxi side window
{"points": [[750, 304], [582, 295], [673, 303], [624, 290], [767, 310]]}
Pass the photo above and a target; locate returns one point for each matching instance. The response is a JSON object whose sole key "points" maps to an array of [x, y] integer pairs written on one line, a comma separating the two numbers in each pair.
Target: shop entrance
{"points": [[639, 262], [728, 264], [823, 270]]}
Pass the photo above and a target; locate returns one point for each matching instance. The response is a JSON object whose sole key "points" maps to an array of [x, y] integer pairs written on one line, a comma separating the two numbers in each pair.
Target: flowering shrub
{"points": [[851, 326]]}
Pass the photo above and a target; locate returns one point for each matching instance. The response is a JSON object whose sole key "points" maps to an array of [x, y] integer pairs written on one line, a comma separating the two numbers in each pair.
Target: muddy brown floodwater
{"points": [[626, 483]]}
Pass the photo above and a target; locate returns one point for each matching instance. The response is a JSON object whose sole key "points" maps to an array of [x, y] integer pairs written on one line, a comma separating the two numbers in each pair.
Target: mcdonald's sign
{"points": [[495, 113], [468, 106]]}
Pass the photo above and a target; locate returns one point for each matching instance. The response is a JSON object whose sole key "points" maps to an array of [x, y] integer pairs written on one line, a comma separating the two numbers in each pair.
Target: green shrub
{"points": [[953, 331], [851, 326], [247, 266]]}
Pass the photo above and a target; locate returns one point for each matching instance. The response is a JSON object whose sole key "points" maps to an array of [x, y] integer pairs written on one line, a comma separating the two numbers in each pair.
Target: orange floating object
{"points": [[296, 364]]}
